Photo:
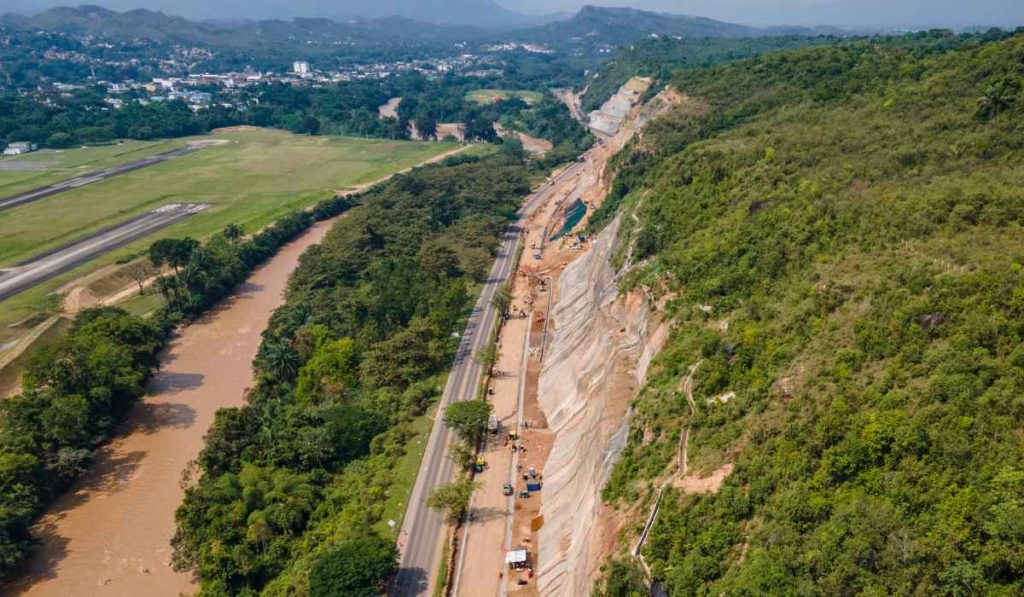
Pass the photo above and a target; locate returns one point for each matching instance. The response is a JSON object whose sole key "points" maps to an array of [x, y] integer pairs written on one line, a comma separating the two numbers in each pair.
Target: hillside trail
{"points": [[110, 533], [682, 464]]}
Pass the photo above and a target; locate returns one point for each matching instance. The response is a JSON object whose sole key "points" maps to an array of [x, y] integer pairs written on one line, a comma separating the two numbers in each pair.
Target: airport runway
{"points": [[98, 175], [423, 528], [26, 275]]}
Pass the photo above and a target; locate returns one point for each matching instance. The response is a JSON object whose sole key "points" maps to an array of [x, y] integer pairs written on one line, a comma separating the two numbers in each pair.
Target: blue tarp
{"points": [[573, 214]]}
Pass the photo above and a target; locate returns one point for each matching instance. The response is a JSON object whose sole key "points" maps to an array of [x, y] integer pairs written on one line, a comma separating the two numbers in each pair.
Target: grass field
{"points": [[47, 166], [487, 96], [252, 180]]}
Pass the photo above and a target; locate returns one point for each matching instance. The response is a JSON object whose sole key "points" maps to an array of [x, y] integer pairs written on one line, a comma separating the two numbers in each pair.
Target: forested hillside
{"points": [[293, 488], [660, 58], [839, 230]]}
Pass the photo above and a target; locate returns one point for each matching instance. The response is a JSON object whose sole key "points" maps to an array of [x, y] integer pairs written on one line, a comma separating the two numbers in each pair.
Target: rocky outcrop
{"points": [[596, 362]]}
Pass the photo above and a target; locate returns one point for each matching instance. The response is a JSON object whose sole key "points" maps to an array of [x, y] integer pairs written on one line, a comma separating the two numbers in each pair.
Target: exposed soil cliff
{"points": [[598, 359]]}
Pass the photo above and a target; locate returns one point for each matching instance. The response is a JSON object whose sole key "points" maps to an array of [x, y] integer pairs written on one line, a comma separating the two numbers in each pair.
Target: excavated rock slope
{"points": [[597, 361]]}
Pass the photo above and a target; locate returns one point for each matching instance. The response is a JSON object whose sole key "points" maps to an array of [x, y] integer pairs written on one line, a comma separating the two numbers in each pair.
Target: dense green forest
{"points": [[850, 216], [293, 485], [660, 58], [351, 108]]}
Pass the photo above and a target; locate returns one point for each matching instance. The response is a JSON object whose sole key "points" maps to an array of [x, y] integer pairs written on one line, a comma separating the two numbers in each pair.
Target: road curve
{"points": [[97, 175], [423, 529]]}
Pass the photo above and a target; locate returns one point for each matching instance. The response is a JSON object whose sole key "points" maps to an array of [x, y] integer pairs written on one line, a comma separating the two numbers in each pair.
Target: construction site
{"points": [[573, 353]]}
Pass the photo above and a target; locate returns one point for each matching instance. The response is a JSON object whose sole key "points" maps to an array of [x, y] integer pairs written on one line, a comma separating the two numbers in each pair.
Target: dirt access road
{"points": [[423, 529]]}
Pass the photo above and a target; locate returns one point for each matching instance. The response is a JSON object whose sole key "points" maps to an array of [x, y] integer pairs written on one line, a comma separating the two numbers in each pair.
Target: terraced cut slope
{"points": [[838, 230]]}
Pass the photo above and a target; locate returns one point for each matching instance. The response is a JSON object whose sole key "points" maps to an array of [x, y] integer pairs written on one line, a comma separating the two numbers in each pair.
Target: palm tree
{"points": [[996, 98], [281, 361], [232, 232], [167, 286]]}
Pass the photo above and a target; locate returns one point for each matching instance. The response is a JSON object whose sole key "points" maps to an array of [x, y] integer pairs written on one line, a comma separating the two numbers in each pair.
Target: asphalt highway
{"points": [[96, 176], [28, 274], [423, 529]]}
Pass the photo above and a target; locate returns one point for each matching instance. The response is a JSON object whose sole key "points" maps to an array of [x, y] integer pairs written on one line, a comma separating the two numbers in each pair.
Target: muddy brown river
{"points": [[110, 534]]}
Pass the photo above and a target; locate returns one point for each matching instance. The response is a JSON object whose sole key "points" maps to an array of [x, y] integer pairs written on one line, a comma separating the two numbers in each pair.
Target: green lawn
{"points": [[47, 166], [408, 468], [486, 96], [251, 180]]}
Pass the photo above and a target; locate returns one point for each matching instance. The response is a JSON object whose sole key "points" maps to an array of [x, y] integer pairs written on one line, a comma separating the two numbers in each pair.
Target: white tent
{"points": [[517, 558]]}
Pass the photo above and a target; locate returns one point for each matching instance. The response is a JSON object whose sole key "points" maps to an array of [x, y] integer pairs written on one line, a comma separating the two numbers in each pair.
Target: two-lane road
{"points": [[423, 529]]}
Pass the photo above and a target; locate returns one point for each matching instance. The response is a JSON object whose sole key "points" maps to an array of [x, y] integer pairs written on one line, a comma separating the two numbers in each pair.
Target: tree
{"points": [[357, 567], [452, 499], [332, 370], [502, 299], [427, 127], [139, 271], [622, 578], [233, 232], [997, 97], [59, 139], [172, 251], [489, 356], [167, 286], [512, 146], [440, 258], [468, 418], [280, 361]]}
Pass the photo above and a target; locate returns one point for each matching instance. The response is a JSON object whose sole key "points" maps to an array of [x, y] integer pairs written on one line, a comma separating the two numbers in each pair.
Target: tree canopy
{"points": [[851, 211]]}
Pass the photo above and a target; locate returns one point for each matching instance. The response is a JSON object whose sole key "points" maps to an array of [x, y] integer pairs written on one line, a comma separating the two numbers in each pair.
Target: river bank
{"points": [[110, 534]]}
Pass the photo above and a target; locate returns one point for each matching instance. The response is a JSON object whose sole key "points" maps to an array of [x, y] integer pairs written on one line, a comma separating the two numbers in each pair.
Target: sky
{"points": [[946, 13], [849, 13]]}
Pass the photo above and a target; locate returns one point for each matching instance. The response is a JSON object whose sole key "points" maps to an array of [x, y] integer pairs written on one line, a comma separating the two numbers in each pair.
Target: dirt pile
{"points": [[598, 359]]}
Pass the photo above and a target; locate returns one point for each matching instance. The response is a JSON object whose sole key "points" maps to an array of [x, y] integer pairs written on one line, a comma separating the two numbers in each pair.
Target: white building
{"points": [[19, 147], [300, 67]]}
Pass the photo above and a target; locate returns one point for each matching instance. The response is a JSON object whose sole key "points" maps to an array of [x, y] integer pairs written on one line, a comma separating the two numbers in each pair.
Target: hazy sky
{"points": [[885, 13], [1006, 13]]}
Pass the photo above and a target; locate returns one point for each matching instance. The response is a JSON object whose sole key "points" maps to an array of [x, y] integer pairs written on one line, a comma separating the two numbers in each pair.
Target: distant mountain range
{"points": [[591, 26], [160, 27], [613, 25], [480, 13]]}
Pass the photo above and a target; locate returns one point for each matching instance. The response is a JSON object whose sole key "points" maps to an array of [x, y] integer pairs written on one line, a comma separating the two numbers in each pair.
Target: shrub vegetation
{"points": [[853, 213]]}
